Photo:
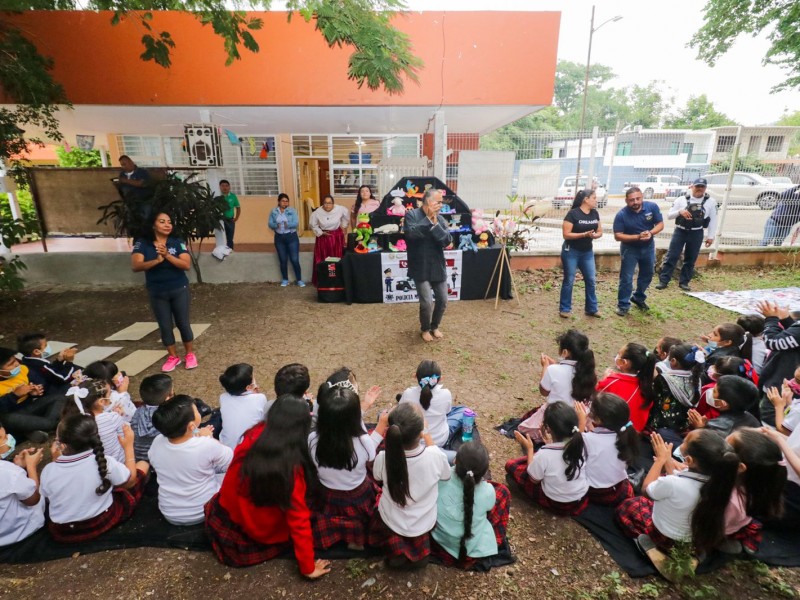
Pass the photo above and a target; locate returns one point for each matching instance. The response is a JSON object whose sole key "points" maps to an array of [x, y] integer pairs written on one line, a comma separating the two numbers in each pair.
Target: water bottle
{"points": [[467, 425]]}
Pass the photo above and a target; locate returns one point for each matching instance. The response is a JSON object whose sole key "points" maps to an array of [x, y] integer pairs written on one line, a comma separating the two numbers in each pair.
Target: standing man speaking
{"points": [[635, 226], [693, 213], [427, 237]]}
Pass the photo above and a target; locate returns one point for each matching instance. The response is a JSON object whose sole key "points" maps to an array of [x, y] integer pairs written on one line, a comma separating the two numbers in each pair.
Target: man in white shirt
{"points": [[694, 212]]}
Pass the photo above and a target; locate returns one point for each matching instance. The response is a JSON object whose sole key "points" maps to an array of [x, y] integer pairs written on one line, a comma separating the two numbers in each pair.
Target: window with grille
{"points": [[725, 143], [144, 150], [624, 148], [252, 165], [774, 143]]}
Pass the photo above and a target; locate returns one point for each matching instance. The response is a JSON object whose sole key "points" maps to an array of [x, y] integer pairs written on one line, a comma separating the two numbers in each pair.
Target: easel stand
{"points": [[502, 262]]}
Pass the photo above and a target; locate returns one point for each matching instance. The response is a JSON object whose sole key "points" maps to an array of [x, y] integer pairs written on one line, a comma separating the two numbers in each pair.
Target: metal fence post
{"points": [[731, 170]]}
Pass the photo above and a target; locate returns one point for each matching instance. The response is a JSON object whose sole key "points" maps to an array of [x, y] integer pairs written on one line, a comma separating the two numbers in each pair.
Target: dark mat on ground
{"points": [[778, 548]]}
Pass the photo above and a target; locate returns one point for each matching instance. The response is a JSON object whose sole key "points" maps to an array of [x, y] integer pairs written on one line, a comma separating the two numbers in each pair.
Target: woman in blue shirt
{"points": [[165, 260], [283, 221]]}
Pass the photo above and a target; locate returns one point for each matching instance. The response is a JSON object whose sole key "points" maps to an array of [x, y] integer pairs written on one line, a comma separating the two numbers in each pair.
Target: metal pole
{"points": [[724, 209], [611, 160], [585, 94], [592, 156]]}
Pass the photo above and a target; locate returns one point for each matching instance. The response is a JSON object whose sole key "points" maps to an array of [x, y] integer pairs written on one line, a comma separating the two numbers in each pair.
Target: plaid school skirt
{"points": [[517, 471], [231, 544], [498, 517], [412, 548], [611, 496], [635, 517], [123, 503], [344, 515]]}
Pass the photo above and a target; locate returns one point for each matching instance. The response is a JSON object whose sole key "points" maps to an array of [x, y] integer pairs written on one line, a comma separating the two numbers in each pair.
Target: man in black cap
{"points": [[693, 212]]}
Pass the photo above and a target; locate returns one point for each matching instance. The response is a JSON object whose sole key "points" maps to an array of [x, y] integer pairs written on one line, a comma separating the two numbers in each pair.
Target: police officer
{"points": [[694, 212]]}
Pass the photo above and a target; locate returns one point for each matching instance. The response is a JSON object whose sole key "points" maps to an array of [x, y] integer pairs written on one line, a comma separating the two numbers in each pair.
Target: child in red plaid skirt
{"points": [[684, 504], [341, 449], [612, 445], [410, 473], [555, 476], [78, 483]]}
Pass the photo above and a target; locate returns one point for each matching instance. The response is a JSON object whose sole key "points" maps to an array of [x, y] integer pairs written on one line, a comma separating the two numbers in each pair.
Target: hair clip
{"points": [[77, 394], [625, 427], [576, 429], [471, 474], [347, 384], [431, 380]]}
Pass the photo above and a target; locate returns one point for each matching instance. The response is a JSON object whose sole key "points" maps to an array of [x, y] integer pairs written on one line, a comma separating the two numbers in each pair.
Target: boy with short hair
{"points": [[55, 375], [26, 412], [154, 391], [190, 463], [231, 214], [732, 397]]}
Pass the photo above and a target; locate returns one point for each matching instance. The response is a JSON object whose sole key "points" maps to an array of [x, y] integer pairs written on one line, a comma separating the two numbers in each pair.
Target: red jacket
{"points": [[269, 524], [627, 387]]}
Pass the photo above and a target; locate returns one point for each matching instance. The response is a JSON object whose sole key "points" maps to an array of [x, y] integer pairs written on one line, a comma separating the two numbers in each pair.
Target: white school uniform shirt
{"points": [[109, 428], [240, 413], [322, 220], [558, 380], [69, 484], [794, 444], [427, 465], [188, 475], [436, 415], [603, 467], [342, 479], [17, 521], [674, 499], [122, 399], [549, 467]]}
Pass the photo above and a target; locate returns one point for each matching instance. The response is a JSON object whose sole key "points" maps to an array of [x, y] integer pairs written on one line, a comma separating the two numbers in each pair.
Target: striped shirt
{"points": [[109, 427]]}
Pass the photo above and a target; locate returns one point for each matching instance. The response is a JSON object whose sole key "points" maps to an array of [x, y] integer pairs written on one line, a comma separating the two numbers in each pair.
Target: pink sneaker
{"points": [[170, 363], [191, 361]]}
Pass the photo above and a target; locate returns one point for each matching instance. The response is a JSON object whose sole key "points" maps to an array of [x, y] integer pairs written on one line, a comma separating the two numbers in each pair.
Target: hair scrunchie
{"points": [[576, 429], [431, 380]]}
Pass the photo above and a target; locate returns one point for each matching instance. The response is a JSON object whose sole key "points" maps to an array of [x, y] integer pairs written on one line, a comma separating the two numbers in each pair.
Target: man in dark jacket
{"points": [[427, 237], [786, 214], [782, 339]]}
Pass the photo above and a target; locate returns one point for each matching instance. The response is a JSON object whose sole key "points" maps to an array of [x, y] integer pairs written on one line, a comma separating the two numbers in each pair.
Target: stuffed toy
{"points": [[396, 209], [503, 227], [478, 224], [412, 191], [373, 246], [466, 243], [363, 229], [447, 209], [388, 228], [400, 246], [455, 223], [483, 240]]}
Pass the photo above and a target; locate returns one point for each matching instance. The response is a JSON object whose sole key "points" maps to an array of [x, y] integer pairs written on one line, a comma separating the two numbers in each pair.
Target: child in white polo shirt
{"points": [[21, 506], [190, 463], [242, 405]]}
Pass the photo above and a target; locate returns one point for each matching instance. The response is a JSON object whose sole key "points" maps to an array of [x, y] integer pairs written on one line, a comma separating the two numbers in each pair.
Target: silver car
{"points": [[747, 189]]}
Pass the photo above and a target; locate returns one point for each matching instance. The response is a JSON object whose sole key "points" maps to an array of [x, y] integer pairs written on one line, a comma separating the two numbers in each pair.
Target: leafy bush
{"points": [[75, 157]]}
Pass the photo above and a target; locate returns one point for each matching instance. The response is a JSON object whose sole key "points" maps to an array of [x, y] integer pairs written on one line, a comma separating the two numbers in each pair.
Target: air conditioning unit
{"points": [[202, 144]]}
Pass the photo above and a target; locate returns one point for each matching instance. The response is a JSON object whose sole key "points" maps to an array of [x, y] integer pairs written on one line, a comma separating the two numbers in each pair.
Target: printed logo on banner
{"points": [[399, 287]]}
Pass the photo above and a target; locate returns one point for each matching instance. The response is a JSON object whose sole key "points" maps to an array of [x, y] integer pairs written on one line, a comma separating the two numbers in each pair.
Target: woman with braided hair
{"points": [[89, 492]]}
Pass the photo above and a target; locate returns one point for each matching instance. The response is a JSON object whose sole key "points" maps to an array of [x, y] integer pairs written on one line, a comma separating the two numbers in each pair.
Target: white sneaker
{"points": [[218, 253], [226, 251]]}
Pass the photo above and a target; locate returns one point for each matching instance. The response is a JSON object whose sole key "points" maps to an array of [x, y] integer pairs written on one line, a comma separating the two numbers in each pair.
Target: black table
{"points": [[363, 278]]}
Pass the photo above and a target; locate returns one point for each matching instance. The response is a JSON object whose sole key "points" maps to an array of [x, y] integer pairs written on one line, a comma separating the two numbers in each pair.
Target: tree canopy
{"points": [[699, 113], [726, 20]]}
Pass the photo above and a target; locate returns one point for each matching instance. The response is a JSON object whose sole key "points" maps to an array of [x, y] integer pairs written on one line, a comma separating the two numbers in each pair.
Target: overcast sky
{"points": [[650, 43]]}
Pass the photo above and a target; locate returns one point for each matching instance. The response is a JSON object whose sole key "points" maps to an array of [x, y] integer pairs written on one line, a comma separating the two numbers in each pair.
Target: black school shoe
{"points": [[685, 287], [640, 304], [661, 285]]}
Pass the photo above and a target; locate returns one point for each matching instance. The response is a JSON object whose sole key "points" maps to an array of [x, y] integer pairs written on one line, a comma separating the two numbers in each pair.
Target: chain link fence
{"points": [[749, 171]]}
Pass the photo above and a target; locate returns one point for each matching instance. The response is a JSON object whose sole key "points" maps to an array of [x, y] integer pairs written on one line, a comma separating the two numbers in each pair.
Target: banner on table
{"points": [[398, 287]]}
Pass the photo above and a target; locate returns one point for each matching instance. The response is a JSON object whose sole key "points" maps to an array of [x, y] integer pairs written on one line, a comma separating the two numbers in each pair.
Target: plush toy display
{"points": [[388, 228], [483, 240], [478, 224], [363, 229], [466, 244], [455, 223], [373, 246], [447, 209], [400, 246], [396, 209]]}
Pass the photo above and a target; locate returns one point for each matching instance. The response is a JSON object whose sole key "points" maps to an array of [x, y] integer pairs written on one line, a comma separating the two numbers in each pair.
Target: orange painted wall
{"points": [[471, 58]]}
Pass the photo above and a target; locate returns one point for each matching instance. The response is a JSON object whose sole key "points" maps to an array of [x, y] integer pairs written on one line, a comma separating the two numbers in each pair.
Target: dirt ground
{"points": [[490, 361]]}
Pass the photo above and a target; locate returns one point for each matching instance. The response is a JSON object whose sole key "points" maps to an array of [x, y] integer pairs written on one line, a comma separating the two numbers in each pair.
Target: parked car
{"points": [[655, 186], [782, 181], [747, 189], [566, 193]]}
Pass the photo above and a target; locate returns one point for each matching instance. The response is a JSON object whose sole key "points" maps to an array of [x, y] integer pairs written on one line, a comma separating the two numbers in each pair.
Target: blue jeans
{"points": [[572, 260], [169, 304], [288, 247], [643, 257], [689, 242], [774, 234], [230, 228]]}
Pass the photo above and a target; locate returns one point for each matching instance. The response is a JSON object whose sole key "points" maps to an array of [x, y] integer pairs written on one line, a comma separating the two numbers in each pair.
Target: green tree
{"points": [[726, 20], [699, 113], [75, 157], [792, 120]]}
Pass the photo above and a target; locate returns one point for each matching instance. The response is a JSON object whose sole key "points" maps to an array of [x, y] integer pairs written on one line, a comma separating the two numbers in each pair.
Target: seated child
{"points": [[409, 473], [754, 325], [154, 391], [293, 379], [677, 389], [612, 445], [726, 365], [21, 506], [53, 373], [91, 397], [340, 449], [121, 402], [632, 380], [786, 403], [790, 447], [731, 397], [728, 339], [555, 475], [662, 350], [242, 405], [190, 463], [87, 492], [26, 413], [471, 514], [681, 505], [570, 379]]}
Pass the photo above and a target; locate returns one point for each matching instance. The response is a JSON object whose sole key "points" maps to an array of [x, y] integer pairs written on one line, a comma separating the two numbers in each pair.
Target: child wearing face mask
{"points": [[53, 372], [728, 339], [24, 410], [242, 405], [726, 365], [732, 397], [786, 402]]}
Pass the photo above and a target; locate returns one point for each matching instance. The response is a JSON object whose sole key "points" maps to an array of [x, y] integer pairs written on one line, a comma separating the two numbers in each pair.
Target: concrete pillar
{"points": [[439, 146]]}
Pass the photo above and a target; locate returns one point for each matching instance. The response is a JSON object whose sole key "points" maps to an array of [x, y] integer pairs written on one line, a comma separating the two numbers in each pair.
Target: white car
{"points": [[747, 189], [566, 193]]}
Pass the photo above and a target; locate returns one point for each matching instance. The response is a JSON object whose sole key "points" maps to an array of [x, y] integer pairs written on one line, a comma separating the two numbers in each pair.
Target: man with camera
{"points": [[693, 212]]}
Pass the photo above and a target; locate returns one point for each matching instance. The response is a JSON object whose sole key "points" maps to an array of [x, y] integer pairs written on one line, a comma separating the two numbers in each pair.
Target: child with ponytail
{"points": [[612, 445], [436, 400], [570, 379], [684, 505], [727, 339], [472, 514], [677, 389], [88, 493], [632, 380], [410, 474], [118, 381], [555, 475], [92, 397]]}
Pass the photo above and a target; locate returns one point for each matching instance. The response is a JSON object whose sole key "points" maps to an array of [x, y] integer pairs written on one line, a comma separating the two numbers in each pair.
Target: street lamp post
{"points": [[592, 29]]}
